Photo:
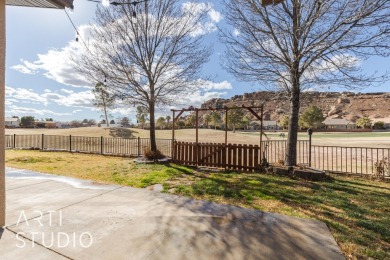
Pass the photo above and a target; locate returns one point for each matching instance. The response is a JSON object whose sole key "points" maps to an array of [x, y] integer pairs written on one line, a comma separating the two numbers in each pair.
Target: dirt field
{"points": [[375, 139]]}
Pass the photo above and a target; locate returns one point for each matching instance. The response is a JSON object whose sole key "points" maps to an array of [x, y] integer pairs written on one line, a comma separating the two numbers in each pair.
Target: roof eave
{"points": [[55, 4]]}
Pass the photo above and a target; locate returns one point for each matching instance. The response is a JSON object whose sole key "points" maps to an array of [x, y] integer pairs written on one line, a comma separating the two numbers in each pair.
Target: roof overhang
{"points": [[56, 4]]}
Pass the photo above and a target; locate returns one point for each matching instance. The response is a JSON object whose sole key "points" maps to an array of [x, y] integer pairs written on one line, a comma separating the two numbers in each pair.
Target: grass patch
{"points": [[110, 170], [356, 210]]}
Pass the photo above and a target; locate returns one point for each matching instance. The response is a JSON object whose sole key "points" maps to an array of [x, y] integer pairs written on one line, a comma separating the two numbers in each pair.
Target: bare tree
{"points": [[103, 99], [151, 60], [300, 44]]}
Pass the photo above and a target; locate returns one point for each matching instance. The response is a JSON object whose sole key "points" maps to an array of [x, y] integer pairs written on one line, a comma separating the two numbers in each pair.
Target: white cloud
{"points": [[215, 15], [70, 99], [57, 65], [67, 91], [236, 32], [199, 97], [209, 85], [20, 111], [23, 68], [24, 95], [209, 26], [105, 3]]}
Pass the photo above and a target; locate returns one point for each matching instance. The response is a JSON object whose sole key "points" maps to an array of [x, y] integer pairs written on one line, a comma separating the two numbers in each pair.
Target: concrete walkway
{"points": [[61, 218]]}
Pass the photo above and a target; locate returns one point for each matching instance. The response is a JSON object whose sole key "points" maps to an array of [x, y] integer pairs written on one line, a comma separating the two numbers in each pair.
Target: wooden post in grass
{"points": [[226, 125], [101, 144], [43, 142], [139, 146]]}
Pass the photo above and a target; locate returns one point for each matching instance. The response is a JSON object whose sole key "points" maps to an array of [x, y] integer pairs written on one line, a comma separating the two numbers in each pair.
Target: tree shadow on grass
{"points": [[121, 132], [354, 209]]}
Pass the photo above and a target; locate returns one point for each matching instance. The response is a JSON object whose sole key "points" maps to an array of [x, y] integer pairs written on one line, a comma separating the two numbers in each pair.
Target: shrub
{"points": [[382, 168], [153, 155], [379, 125]]}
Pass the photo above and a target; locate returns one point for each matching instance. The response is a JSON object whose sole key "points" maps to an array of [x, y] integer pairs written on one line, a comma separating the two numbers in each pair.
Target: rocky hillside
{"points": [[346, 105]]}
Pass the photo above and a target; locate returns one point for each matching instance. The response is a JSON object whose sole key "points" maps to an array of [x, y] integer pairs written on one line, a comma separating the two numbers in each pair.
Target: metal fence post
{"points": [[310, 132], [70, 143]]}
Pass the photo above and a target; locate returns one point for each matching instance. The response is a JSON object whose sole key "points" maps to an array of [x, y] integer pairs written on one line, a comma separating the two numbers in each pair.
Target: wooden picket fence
{"points": [[240, 157]]}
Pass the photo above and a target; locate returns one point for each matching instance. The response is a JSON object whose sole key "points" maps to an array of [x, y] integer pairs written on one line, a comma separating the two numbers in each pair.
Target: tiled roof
{"points": [[337, 121], [265, 123]]}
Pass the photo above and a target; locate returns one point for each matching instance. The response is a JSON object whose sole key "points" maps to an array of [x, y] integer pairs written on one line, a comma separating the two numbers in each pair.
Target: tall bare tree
{"points": [[149, 60], [103, 99], [300, 44]]}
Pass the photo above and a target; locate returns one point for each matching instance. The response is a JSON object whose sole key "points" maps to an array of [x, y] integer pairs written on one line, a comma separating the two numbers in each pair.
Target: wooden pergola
{"points": [[54, 4], [251, 109]]}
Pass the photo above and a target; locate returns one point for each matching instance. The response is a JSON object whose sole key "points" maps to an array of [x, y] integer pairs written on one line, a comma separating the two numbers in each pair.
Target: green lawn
{"points": [[356, 210]]}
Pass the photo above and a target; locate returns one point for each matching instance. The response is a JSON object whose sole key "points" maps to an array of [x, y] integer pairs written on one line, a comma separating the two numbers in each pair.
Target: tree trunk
{"points": [[291, 155], [153, 145], [105, 111]]}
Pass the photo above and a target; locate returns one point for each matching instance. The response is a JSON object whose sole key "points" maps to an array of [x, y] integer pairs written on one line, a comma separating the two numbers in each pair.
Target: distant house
{"points": [[62, 125], [12, 122], [45, 124], [267, 125], [338, 123], [384, 120]]}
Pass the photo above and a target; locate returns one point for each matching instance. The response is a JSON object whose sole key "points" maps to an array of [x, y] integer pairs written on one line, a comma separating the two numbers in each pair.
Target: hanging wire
{"points": [[78, 37]]}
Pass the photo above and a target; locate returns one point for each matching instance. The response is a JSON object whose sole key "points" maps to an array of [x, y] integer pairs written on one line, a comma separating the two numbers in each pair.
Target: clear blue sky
{"points": [[39, 82]]}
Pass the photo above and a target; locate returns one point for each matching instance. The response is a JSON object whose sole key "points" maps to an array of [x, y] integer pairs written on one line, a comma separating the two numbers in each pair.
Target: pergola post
{"points": [[2, 104]]}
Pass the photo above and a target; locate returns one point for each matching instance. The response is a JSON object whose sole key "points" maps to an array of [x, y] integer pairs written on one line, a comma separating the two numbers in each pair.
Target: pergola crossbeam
{"points": [[226, 110]]}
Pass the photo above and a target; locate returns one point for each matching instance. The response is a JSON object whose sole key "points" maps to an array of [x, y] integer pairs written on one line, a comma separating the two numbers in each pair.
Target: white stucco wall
{"points": [[2, 127]]}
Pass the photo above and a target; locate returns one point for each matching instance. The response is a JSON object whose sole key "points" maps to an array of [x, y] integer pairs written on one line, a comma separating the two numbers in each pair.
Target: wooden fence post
{"points": [[43, 142], [70, 143], [139, 146], [101, 144], [14, 141]]}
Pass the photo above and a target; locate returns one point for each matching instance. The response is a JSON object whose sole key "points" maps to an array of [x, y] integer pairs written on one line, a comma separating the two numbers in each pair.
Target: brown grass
{"points": [[374, 139]]}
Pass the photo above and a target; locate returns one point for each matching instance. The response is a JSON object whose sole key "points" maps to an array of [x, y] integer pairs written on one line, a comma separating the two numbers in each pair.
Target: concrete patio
{"points": [[82, 220]]}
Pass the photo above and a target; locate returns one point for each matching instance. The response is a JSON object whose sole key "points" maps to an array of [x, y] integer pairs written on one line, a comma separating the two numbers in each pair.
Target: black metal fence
{"points": [[95, 145], [355, 160], [275, 151]]}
